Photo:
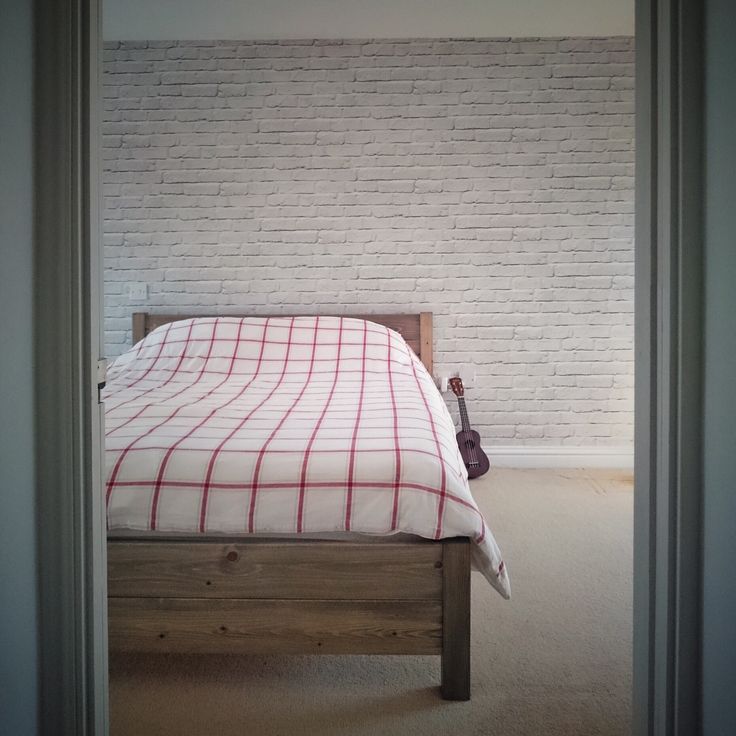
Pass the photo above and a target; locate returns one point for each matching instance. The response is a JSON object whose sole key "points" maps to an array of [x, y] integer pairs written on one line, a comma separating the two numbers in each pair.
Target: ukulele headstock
{"points": [[456, 384]]}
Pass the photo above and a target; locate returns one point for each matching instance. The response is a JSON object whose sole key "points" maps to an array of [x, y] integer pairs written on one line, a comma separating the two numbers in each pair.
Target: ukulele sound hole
{"points": [[470, 444]]}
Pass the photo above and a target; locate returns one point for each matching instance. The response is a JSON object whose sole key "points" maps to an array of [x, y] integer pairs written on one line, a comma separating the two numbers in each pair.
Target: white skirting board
{"points": [[543, 456]]}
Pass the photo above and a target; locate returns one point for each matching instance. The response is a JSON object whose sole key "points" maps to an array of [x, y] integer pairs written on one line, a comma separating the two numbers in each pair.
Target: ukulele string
{"points": [[464, 422]]}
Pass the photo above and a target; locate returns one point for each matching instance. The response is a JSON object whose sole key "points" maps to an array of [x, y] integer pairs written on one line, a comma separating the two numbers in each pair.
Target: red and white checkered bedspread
{"points": [[285, 425]]}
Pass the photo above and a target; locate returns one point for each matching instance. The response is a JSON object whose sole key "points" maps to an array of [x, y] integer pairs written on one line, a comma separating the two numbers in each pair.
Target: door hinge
{"points": [[101, 377]]}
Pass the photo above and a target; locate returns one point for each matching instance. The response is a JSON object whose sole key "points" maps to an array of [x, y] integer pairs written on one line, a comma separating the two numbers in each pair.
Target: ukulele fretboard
{"points": [[464, 421]]}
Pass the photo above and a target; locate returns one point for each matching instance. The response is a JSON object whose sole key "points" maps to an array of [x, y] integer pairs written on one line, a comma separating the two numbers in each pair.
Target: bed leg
{"points": [[456, 619]]}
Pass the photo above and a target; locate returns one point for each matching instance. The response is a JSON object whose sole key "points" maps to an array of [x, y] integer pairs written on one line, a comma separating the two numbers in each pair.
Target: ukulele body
{"points": [[476, 461]]}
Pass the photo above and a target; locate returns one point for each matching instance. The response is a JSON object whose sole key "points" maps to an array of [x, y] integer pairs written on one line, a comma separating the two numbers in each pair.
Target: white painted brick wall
{"points": [[489, 181]]}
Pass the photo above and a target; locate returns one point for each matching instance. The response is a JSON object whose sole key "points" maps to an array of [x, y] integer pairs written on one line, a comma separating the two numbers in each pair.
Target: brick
{"points": [[490, 181]]}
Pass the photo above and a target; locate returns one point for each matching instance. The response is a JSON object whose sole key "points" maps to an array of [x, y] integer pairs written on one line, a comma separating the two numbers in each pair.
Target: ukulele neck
{"points": [[464, 421]]}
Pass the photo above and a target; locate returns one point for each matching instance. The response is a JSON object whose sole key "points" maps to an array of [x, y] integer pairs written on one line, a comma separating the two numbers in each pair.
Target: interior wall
{"points": [[18, 600], [490, 181]]}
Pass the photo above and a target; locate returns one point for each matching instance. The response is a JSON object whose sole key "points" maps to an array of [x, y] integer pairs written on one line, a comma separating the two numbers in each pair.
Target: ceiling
{"points": [[350, 19]]}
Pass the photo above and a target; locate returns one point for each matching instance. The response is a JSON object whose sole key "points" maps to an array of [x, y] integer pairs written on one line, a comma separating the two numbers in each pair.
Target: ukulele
{"points": [[468, 440]]}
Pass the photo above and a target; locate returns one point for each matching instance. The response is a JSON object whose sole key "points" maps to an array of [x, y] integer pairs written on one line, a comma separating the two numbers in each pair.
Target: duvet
{"points": [[227, 425]]}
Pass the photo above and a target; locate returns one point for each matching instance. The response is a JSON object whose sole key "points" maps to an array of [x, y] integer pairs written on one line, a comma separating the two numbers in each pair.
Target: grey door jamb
{"points": [[71, 529], [667, 513]]}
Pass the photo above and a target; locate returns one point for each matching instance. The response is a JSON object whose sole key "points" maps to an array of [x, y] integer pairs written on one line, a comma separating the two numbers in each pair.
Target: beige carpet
{"points": [[553, 661]]}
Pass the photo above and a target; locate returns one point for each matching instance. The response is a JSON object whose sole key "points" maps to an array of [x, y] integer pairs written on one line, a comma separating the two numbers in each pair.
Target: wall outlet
{"points": [[469, 377], [137, 292]]}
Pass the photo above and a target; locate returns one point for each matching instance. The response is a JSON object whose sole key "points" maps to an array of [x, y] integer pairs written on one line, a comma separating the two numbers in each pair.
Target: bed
{"points": [[289, 485]]}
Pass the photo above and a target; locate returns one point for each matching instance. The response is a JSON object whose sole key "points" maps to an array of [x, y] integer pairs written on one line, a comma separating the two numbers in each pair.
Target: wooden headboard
{"points": [[416, 329]]}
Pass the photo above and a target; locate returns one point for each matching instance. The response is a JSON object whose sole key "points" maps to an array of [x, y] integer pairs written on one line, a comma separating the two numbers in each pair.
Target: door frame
{"points": [[668, 513], [72, 580], [668, 359]]}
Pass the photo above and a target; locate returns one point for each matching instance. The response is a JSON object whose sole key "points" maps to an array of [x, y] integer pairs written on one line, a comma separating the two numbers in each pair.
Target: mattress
{"points": [[293, 425]]}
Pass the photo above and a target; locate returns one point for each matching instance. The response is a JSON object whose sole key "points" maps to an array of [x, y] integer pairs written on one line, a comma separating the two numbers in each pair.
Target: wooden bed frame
{"points": [[169, 593]]}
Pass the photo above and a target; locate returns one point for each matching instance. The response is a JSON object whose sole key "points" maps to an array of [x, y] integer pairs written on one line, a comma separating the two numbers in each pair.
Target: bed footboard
{"points": [[294, 597]]}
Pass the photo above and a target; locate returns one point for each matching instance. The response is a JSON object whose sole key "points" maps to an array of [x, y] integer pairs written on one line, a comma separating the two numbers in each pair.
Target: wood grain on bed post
{"points": [[273, 626], [456, 619], [279, 596], [139, 326], [203, 567], [425, 340]]}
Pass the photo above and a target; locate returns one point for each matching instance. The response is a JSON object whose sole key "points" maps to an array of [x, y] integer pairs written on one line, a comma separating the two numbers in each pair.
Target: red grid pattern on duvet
{"points": [[284, 425]]}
